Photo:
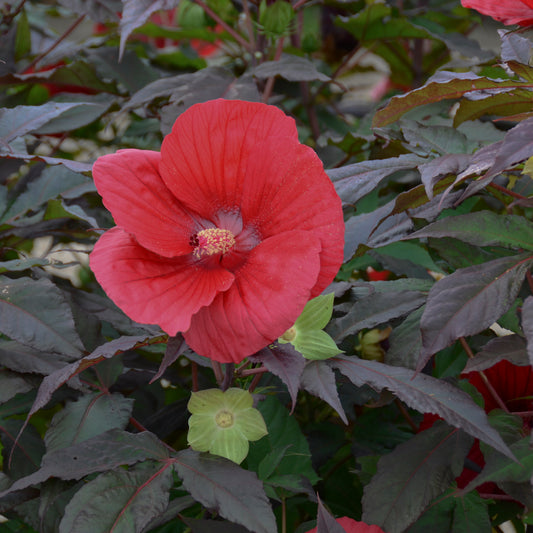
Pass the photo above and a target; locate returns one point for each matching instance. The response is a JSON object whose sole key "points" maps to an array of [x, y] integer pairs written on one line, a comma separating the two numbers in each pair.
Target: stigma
{"points": [[212, 241]]}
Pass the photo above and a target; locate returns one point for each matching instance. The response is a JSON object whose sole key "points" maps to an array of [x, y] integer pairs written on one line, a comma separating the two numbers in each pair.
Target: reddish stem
{"points": [[73, 26], [483, 376]]}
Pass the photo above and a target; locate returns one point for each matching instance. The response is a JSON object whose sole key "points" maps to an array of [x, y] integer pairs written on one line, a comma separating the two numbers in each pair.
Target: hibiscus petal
{"points": [[269, 293], [508, 11], [153, 289], [287, 189], [203, 159], [132, 190]]}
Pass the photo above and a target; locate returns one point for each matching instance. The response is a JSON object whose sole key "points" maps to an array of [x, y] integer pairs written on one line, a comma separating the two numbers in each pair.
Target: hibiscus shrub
{"points": [[266, 266]]}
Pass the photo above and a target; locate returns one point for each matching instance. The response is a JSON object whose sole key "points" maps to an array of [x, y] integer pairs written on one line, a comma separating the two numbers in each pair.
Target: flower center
{"points": [[212, 241], [224, 419]]}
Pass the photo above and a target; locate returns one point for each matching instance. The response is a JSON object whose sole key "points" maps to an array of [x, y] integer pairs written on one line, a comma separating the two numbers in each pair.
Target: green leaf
{"points": [[283, 433], [501, 469], [482, 228], [119, 501], [221, 485], [316, 314], [89, 416], [275, 18], [316, 344], [424, 393], [22, 37], [412, 475], [461, 514], [469, 301], [36, 314]]}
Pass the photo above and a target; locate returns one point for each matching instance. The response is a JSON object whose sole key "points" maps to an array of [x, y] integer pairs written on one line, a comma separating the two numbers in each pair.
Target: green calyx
{"points": [[223, 423], [307, 335]]}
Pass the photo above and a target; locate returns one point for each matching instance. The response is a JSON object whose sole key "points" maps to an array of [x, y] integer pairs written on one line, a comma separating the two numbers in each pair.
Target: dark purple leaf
{"points": [[436, 169], [235, 493], [53, 381], [502, 104], [97, 10], [359, 228], [515, 47], [284, 362], [18, 121], [135, 13], [319, 380], [87, 417], [405, 341], [175, 347], [325, 523], [52, 183], [442, 86], [527, 325], [83, 113], [104, 452], [76, 166], [510, 347], [21, 457], [180, 85], [376, 309], [416, 472], [425, 394], [517, 146], [482, 228], [36, 314], [291, 68], [12, 384], [469, 301], [120, 500], [352, 182], [23, 359], [198, 525]]}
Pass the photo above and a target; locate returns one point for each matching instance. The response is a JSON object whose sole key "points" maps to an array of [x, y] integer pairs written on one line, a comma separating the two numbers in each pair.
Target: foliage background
{"points": [[427, 135]]}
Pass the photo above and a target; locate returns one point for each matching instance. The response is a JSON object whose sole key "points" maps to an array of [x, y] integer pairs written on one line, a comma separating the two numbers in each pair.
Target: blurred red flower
{"points": [[223, 235], [353, 526], [513, 385], [506, 11]]}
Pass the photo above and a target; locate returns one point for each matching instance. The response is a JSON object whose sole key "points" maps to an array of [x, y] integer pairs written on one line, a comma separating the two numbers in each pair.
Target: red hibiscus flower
{"points": [[353, 526], [507, 11], [225, 234]]}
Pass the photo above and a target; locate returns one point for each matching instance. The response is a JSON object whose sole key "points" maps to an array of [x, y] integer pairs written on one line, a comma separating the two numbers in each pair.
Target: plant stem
{"points": [[217, 369], [483, 376], [506, 191], [243, 42], [72, 27], [194, 376], [255, 382], [253, 371], [270, 82], [406, 415]]}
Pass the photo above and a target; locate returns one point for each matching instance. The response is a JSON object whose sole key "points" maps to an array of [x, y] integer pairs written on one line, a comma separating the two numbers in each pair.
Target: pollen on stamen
{"points": [[212, 241]]}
